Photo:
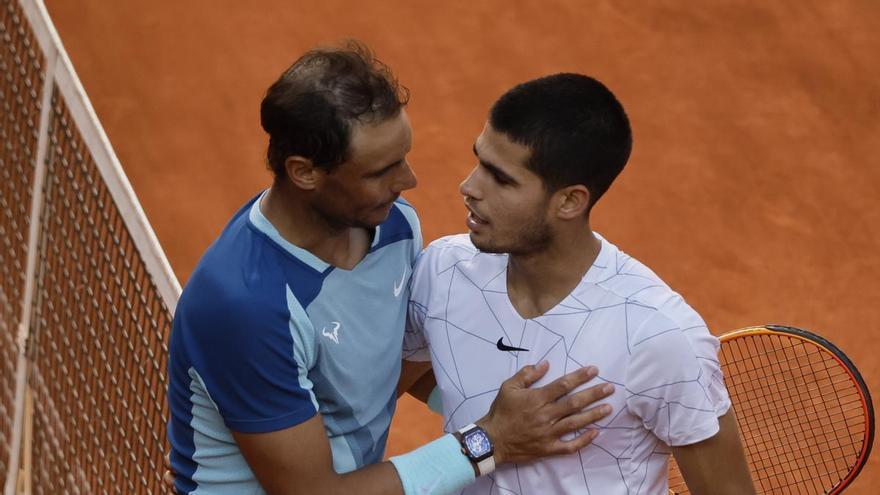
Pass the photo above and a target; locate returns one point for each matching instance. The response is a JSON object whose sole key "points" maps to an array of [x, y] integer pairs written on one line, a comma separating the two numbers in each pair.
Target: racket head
{"points": [[805, 415]]}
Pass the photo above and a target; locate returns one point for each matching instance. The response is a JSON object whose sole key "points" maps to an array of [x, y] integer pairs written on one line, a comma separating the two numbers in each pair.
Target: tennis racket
{"points": [[804, 412]]}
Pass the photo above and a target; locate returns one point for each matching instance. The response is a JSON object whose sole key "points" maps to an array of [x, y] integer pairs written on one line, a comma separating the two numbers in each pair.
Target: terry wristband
{"points": [[437, 468], [435, 401]]}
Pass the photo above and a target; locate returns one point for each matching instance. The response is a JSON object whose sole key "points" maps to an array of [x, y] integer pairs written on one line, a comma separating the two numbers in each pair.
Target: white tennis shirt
{"points": [[622, 318]]}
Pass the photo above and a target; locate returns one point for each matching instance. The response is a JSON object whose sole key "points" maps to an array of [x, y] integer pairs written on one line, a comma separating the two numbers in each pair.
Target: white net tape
{"points": [[21, 74]]}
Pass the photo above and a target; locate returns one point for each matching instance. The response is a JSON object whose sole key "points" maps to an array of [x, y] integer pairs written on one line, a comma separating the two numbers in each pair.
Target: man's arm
{"points": [[716, 465], [524, 424], [297, 461]]}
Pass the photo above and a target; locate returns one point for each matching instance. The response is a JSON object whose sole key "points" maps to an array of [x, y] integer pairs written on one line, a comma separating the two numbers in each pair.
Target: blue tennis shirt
{"points": [[266, 334]]}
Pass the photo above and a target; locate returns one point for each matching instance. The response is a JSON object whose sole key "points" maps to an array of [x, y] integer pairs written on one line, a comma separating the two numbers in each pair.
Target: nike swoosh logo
{"points": [[504, 347], [399, 286]]}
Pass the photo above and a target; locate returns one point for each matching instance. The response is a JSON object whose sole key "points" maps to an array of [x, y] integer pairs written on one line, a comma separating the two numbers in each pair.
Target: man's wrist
{"points": [[436, 467], [458, 437], [494, 437], [477, 447]]}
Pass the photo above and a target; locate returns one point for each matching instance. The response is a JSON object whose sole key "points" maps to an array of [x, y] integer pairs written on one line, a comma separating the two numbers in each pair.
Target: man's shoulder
{"points": [[454, 245], [453, 260], [452, 250], [635, 283], [219, 296], [240, 277]]}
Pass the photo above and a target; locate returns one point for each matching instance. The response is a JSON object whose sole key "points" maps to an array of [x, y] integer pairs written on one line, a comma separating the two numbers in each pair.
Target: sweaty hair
{"points": [[310, 109], [577, 131]]}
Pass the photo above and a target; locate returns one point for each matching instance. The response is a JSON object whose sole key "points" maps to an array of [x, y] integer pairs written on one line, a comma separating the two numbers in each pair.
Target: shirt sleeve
{"points": [[253, 364], [673, 386]]}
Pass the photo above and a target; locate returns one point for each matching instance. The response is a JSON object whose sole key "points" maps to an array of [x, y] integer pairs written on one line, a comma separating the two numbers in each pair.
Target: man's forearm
{"points": [[716, 466], [298, 461], [376, 479]]}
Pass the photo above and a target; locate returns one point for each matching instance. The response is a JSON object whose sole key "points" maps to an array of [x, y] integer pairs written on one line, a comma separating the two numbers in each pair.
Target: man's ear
{"points": [[302, 173], [572, 202]]}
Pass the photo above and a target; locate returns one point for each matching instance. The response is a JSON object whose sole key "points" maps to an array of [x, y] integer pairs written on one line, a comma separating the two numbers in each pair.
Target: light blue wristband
{"points": [[437, 468], [435, 401]]}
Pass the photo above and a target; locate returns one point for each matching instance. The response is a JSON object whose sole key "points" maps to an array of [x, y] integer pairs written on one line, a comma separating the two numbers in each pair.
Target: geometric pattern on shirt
{"points": [[557, 336]]}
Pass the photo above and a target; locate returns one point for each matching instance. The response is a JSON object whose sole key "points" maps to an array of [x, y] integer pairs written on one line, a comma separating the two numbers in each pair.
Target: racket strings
{"points": [[772, 413], [800, 414], [805, 414]]}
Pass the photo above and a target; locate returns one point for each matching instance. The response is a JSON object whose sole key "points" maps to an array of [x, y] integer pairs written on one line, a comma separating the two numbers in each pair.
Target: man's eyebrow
{"points": [[497, 172], [384, 169], [484, 162]]}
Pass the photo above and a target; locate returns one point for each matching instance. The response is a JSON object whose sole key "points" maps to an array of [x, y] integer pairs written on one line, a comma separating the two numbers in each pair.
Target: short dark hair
{"points": [[310, 109], [576, 129]]}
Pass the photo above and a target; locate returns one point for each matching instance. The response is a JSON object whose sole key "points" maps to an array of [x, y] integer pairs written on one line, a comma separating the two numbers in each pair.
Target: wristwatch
{"points": [[477, 447]]}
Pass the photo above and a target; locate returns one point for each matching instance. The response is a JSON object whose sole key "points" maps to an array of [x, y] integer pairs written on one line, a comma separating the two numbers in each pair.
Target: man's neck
{"points": [[538, 282], [340, 246]]}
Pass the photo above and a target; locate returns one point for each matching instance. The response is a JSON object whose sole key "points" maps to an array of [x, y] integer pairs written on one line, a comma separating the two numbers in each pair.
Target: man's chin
{"points": [[381, 214], [484, 245], [368, 224], [372, 222]]}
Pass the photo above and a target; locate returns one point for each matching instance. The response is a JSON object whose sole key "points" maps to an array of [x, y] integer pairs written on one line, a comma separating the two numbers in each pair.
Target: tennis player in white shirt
{"points": [[532, 282]]}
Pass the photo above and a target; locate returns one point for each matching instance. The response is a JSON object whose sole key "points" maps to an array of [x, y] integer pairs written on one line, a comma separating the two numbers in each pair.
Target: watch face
{"points": [[477, 443]]}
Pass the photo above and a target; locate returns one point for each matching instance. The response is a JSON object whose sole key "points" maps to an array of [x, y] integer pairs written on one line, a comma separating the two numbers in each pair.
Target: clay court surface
{"points": [[754, 187]]}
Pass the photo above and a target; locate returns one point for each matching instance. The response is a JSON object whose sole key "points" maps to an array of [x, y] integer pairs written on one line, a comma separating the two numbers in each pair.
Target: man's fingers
{"points": [[567, 447], [576, 422], [566, 383], [527, 375], [168, 479], [578, 401]]}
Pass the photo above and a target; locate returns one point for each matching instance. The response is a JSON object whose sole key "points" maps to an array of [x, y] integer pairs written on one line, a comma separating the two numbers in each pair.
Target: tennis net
{"points": [[86, 294]]}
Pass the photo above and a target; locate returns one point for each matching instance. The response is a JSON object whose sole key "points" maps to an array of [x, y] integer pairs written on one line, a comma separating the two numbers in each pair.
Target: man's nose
{"points": [[468, 187], [407, 179]]}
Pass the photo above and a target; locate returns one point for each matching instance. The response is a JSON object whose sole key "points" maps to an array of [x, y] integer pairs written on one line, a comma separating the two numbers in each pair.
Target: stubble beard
{"points": [[533, 237]]}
